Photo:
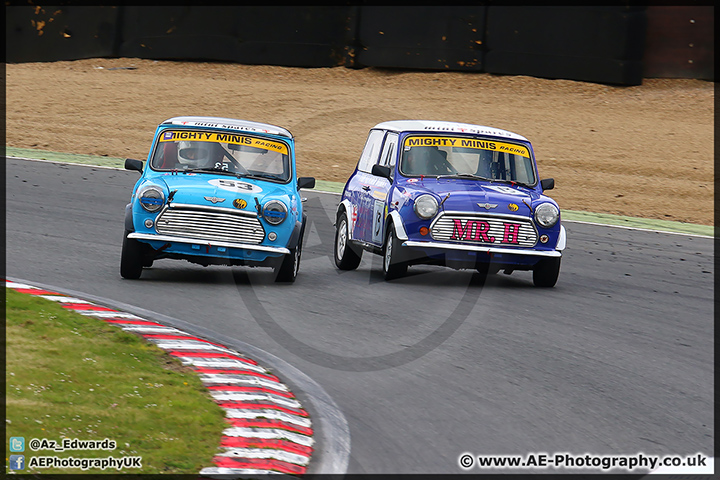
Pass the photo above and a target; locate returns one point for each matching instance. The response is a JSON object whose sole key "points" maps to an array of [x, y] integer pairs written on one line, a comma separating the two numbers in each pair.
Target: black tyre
{"points": [[131, 261], [347, 256], [290, 266], [546, 272], [393, 264]]}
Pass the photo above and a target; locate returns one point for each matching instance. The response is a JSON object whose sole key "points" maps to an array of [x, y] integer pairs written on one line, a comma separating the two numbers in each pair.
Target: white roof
{"points": [[438, 126], [229, 124]]}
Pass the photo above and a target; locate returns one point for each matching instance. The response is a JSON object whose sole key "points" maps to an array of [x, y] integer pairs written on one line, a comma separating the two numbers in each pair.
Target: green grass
{"points": [[65, 157], [72, 376]]}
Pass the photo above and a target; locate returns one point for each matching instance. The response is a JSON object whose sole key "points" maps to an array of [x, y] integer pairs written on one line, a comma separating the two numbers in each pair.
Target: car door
{"points": [[359, 188], [380, 189]]}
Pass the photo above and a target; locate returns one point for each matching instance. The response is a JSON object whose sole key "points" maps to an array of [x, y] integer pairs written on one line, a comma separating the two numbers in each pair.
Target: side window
{"points": [[388, 155], [371, 151]]}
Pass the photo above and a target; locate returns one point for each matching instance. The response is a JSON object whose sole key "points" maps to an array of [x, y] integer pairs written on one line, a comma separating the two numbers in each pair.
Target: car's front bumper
{"points": [[147, 237], [480, 249]]}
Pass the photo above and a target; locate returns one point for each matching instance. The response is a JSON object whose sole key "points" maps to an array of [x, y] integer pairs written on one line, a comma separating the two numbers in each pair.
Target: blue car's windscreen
{"points": [[218, 151], [431, 155]]}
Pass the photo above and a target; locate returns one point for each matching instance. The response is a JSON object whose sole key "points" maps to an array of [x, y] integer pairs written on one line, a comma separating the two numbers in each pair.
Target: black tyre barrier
{"points": [[602, 44]]}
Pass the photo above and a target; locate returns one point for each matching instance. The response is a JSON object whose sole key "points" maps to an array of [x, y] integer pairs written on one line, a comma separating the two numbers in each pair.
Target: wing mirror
{"points": [[547, 183], [382, 171], [132, 164], [305, 182]]}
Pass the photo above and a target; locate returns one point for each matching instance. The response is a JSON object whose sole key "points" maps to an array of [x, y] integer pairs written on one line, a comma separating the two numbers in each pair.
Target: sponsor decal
{"points": [[378, 211], [412, 180], [513, 207], [234, 185], [506, 189], [231, 138], [379, 195], [239, 203], [214, 199], [487, 206], [228, 127], [479, 144], [477, 230]]}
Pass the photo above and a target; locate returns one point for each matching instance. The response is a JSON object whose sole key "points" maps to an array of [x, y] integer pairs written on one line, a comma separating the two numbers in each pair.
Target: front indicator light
{"points": [[424, 231]]}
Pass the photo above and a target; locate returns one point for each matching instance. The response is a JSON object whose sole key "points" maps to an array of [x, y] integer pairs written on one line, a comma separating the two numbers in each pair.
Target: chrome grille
{"points": [[213, 224], [484, 229]]}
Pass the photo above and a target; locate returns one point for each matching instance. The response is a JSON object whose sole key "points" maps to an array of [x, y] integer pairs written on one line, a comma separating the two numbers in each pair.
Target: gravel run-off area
{"points": [[642, 151]]}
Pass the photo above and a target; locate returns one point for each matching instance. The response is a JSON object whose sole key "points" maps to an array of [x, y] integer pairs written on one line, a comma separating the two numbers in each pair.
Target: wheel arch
{"points": [[297, 232], [129, 225], [343, 206], [395, 220]]}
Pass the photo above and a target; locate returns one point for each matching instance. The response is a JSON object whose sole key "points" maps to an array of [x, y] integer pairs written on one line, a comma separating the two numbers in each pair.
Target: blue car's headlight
{"points": [[274, 212], [151, 198], [546, 215], [426, 206]]}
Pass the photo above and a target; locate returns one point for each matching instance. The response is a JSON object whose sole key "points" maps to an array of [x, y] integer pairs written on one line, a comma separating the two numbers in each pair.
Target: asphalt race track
{"points": [[616, 359]]}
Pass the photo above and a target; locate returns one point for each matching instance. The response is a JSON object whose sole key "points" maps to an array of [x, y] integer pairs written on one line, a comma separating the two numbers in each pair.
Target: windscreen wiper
{"points": [[478, 177], [511, 182], [213, 170], [465, 175], [267, 176]]}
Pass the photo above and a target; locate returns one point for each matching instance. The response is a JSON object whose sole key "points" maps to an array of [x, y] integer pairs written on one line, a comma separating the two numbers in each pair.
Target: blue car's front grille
{"points": [[208, 223], [484, 229]]}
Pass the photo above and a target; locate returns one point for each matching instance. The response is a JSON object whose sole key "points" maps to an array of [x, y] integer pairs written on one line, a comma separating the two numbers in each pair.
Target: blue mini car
{"points": [[216, 191], [453, 194]]}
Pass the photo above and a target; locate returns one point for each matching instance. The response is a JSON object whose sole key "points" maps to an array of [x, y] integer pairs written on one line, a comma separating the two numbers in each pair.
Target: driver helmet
{"points": [[193, 154]]}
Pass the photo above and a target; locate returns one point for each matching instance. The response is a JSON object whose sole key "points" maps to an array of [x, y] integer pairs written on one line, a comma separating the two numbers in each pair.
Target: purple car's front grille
{"points": [[484, 229]]}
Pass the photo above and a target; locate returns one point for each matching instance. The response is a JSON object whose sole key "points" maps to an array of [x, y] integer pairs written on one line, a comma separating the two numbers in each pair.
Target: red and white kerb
{"points": [[268, 430]]}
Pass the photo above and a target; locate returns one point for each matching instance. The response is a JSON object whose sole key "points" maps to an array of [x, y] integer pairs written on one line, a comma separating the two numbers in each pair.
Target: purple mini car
{"points": [[453, 194]]}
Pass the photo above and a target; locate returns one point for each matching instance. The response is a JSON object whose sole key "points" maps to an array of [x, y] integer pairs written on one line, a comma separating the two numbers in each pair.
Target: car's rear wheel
{"points": [[131, 260], [346, 256], [546, 272], [393, 264], [290, 266]]}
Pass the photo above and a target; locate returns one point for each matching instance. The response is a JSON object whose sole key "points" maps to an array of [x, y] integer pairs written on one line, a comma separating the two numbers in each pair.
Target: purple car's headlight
{"points": [[426, 206], [546, 215]]}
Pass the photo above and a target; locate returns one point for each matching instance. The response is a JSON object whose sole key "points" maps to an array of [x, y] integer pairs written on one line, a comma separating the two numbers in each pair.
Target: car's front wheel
{"points": [[546, 272], [346, 257], [131, 260], [393, 264], [290, 265]]}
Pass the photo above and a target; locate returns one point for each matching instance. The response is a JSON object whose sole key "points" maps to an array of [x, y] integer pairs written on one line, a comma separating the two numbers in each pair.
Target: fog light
{"points": [[149, 223], [544, 238], [272, 236], [424, 231]]}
